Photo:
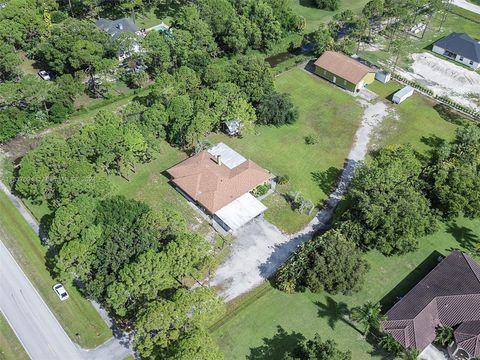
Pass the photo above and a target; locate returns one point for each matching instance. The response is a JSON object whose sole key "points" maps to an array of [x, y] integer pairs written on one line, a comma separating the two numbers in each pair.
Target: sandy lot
{"points": [[446, 78]]}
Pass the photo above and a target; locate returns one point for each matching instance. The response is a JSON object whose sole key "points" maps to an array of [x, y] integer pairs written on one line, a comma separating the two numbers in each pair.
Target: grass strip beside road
{"points": [[10, 347], [77, 316]]}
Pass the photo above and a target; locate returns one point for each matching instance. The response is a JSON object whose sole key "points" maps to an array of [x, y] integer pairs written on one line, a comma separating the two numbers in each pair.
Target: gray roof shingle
{"points": [[461, 44], [117, 27]]}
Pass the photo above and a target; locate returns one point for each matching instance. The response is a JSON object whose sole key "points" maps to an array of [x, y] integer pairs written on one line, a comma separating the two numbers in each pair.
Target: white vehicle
{"points": [[44, 75], [61, 292]]}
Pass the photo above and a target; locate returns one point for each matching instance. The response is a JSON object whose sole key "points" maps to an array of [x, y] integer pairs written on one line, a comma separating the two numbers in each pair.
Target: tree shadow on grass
{"points": [[433, 141], [448, 114], [328, 179], [335, 312], [308, 3], [412, 279], [277, 346], [464, 236]]}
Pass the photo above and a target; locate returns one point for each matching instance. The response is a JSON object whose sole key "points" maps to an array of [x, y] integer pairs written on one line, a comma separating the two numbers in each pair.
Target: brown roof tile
{"points": [[215, 186], [449, 295], [343, 66]]}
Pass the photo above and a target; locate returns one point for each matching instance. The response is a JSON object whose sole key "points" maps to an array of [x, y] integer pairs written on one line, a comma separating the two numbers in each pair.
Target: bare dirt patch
{"points": [[446, 78]]}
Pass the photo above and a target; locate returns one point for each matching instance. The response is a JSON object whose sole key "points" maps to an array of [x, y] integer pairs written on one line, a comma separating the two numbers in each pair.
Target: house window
{"points": [[344, 82], [471, 62], [461, 58], [324, 72]]}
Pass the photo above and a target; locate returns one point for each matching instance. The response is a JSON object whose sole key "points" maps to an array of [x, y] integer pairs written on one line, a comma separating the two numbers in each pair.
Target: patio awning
{"points": [[240, 211]]}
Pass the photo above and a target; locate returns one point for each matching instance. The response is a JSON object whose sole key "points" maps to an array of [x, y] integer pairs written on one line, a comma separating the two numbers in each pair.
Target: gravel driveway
{"points": [[260, 247]]}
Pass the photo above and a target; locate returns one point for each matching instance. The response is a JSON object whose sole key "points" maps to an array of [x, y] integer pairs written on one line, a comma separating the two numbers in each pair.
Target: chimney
{"points": [[219, 160], [120, 26]]}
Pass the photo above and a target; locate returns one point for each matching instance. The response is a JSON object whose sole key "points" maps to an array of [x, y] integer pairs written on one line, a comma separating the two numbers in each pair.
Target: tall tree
{"points": [[369, 315]]}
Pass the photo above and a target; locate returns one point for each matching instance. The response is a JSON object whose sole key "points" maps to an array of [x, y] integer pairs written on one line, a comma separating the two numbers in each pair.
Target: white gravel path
{"points": [[445, 78], [467, 5], [260, 248]]}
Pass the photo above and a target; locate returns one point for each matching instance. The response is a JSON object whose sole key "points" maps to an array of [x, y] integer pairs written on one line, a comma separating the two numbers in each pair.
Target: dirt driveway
{"points": [[260, 247], [446, 78]]}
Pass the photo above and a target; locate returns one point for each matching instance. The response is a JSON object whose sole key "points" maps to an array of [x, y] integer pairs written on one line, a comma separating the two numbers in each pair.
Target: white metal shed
{"points": [[402, 94]]}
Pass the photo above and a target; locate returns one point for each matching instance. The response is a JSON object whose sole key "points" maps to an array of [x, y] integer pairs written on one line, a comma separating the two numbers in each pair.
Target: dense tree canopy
{"points": [[329, 262], [455, 175], [388, 210]]}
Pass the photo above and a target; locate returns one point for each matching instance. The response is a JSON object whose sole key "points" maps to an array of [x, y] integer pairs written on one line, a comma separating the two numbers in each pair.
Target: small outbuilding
{"points": [[232, 127], [402, 94], [383, 76], [344, 71]]}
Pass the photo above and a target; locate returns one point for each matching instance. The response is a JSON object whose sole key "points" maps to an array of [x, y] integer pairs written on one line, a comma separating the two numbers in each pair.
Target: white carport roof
{"points": [[241, 211]]}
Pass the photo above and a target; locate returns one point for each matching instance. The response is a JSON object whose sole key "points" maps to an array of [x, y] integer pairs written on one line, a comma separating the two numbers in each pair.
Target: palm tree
{"points": [[444, 335], [410, 354], [389, 344], [369, 315]]}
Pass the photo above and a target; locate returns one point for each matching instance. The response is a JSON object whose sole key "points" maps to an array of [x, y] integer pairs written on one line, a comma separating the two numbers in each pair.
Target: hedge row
{"points": [[413, 84], [455, 105]]}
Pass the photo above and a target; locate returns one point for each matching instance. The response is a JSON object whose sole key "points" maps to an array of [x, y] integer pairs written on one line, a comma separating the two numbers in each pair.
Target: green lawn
{"points": [[77, 315], [315, 16], [325, 111], [419, 121], [252, 332], [10, 347], [149, 184], [458, 20]]}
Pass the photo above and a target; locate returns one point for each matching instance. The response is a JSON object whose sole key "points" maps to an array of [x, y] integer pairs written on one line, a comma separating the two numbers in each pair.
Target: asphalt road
{"points": [[32, 321], [37, 328]]}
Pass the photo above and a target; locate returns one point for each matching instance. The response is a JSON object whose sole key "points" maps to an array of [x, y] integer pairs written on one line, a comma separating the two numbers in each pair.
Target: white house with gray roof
{"points": [[461, 48]]}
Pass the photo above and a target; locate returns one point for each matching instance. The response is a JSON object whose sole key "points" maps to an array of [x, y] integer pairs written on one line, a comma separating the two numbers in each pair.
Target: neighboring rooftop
{"points": [[215, 183], [461, 44], [467, 336], [343, 66], [449, 295], [117, 27]]}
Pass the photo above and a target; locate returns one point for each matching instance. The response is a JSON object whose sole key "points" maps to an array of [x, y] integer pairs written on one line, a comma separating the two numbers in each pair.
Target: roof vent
{"points": [[120, 26]]}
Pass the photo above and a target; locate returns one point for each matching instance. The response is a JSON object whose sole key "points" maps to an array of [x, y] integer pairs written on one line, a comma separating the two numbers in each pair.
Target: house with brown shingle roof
{"points": [[219, 180], [344, 71], [448, 296]]}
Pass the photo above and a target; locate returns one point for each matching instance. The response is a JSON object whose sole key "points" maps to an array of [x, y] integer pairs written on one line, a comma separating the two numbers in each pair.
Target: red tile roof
{"points": [[343, 66], [215, 186]]}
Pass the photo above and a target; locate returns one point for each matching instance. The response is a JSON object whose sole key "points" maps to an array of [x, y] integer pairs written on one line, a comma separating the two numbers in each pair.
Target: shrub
{"points": [[331, 5], [311, 139], [59, 112], [283, 179], [261, 190]]}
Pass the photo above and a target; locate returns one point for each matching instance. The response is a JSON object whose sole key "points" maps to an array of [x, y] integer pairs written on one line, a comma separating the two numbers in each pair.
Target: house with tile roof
{"points": [[219, 181], [344, 71], [461, 48], [448, 296]]}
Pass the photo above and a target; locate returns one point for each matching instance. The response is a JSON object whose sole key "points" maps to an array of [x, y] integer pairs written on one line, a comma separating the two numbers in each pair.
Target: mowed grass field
{"points": [[252, 332], [419, 120], [10, 347], [76, 315], [326, 112], [314, 16]]}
